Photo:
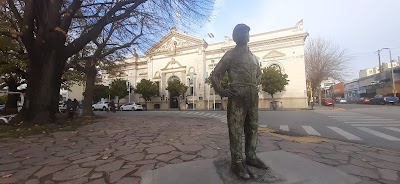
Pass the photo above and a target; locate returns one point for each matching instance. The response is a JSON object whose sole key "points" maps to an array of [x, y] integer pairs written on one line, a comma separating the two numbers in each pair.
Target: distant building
{"points": [[189, 59], [375, 70], [76, 92]]}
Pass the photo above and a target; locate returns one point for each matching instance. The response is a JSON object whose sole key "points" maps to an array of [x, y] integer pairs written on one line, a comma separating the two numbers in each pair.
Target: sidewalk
{"points": [[118, 150]]}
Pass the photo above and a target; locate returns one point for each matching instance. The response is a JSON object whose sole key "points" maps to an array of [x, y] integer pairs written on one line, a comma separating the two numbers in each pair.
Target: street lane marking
{"points": [[284, 127], [360, 116], [379, 134], [310, 130], [345, 134], [393, 128], [381, 125], [363, 119], [373, 122]]}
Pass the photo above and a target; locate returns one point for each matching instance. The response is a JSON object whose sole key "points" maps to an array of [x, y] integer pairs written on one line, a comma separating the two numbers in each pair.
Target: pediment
{"points": [[173, 64], [274, 54], [175, 41]]}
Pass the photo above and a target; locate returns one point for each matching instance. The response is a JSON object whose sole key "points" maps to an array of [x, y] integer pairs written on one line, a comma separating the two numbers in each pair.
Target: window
{"points": [[191, 90], [158, 87]]}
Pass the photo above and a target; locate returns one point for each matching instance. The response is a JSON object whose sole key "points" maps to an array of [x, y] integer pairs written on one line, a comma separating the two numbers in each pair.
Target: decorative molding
{"points": [[175, 41], [274, 54], [157, 75], [172, 62]]}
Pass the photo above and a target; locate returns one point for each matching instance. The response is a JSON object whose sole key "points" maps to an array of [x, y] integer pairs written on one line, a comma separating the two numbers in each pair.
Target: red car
{"points": [[327, 101], [363, 100]]}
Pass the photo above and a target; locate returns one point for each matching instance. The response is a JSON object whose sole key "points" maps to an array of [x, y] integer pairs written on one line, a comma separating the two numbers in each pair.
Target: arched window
{"points": [[172, 78], [275, 66]]}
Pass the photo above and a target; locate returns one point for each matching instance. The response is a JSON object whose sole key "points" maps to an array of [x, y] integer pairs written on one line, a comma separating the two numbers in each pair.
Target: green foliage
{"points": [[225, 81], [118, 88], [176, 88], [13, 58], [100, 91], [147, 89], [3, 99], [273, 80]]}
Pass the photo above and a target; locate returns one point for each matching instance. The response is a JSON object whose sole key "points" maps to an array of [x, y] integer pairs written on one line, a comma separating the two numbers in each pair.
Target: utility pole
{"points": [[380, 65]]}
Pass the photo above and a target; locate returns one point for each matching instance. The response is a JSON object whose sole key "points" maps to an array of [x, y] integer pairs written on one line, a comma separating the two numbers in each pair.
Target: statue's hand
{"points": [[228, 93]]}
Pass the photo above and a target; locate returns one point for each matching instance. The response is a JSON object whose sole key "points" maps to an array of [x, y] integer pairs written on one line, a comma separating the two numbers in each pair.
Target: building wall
{"points": [[76, 92]]}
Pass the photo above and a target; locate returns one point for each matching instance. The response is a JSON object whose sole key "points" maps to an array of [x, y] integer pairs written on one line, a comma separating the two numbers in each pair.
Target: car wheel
{"points": [[93, 109], [104, 108], [133, 109]]}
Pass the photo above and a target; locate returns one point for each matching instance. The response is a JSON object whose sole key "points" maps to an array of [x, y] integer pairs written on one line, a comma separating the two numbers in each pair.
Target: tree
{"points": [[13, 65], [53, 31], [176, 88], [224, 83], [118, 88], [99, 92], [324, 60], [147, 89], [273, 81]]}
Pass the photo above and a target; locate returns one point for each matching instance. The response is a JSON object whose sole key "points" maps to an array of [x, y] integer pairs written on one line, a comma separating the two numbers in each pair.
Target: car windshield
{"points": [[129, 104]]}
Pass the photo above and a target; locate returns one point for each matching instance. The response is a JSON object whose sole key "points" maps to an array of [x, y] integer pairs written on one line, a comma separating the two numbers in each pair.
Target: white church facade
{"points": [[191, 60]]}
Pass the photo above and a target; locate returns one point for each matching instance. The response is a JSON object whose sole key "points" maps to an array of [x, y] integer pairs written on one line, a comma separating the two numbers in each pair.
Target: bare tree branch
{"points": [[79, 43], [69, 14], [325, 60]]}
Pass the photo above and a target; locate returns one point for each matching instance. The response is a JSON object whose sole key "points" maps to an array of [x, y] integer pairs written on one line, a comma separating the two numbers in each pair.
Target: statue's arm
{"points": [[219, 71]]}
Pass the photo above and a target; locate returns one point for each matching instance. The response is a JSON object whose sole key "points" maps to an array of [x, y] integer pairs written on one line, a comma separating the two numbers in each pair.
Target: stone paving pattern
{"points": [[118, 150]]}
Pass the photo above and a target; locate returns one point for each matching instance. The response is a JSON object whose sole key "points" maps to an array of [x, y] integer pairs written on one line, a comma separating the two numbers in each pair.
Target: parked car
{"points": [[100, 106], [131, 107], [364, 100], [341, 100], [327, 101], [382, 100]]}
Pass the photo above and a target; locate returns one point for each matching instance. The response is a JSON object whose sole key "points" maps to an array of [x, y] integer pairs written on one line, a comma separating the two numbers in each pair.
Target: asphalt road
{"points": [[378, 126]]}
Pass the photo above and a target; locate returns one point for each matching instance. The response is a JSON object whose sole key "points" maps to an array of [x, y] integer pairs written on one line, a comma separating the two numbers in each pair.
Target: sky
{"points": [[360, 26]]}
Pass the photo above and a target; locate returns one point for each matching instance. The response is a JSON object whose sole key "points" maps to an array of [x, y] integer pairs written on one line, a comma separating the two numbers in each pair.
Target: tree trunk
{"points": [[12, 98], [145, 104], [42, 93], [91, 73], [273, 103]]}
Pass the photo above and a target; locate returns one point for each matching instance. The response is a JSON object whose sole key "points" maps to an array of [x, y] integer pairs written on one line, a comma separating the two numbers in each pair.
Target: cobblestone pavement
{"points": [[117, 150]]}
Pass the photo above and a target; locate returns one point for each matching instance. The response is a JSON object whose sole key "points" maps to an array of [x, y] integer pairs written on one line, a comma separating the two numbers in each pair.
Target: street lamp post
{"points": [[391, 65]]}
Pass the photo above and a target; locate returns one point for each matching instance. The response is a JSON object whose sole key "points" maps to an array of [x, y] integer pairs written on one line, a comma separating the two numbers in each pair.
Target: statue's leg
{"points": [[251, 134], [250, 130], [235, 125]]}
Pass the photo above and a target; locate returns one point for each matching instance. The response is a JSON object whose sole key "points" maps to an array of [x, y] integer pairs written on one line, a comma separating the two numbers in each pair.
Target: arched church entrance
{"points": [[173, 98]]}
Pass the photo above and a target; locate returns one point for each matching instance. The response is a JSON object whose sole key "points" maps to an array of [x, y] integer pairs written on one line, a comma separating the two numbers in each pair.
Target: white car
{"points": [[131, 107], [100, 106], [342, 101]]}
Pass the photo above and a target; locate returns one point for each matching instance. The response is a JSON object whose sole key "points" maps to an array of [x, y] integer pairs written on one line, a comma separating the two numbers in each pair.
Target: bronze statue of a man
{"points": [[244, 77]]}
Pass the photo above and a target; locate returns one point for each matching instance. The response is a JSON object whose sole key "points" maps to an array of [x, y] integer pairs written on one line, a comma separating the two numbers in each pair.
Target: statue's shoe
{"points": [[256, 162], [239, 170]]}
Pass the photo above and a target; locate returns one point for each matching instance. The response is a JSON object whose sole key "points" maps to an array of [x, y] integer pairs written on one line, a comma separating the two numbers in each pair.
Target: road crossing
{"points": [[366, 123], [360, 121]]}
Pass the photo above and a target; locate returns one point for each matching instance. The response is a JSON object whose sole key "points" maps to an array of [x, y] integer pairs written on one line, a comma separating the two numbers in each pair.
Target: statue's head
{"points": [[241, 34]]}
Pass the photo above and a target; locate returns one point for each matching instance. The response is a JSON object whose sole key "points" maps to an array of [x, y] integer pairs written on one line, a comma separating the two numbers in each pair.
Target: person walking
{"points": [[76, 107], [70, 109]]}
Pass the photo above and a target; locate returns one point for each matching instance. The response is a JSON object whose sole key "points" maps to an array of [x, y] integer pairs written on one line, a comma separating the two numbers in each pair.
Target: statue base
{"points": [[285, 168]]}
